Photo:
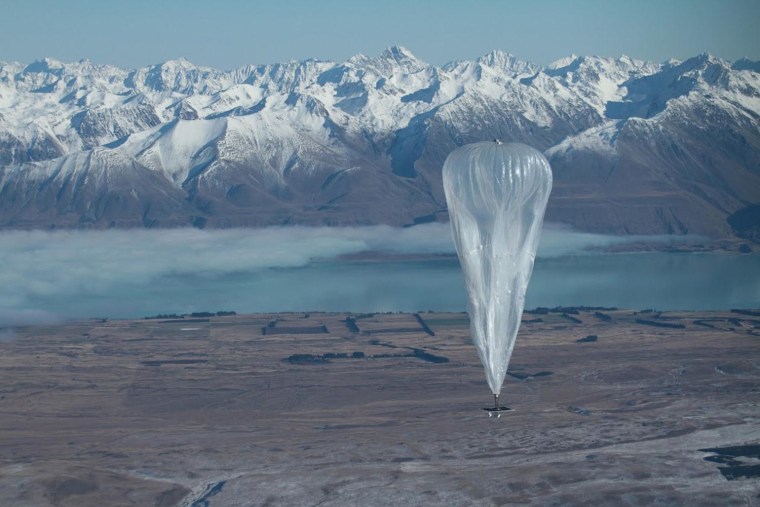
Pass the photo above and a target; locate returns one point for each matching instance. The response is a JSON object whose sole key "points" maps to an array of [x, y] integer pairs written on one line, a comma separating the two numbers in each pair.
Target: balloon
{"points": [[496, 194]]}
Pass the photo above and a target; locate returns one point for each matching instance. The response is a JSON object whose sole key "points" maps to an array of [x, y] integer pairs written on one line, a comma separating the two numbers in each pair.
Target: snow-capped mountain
{"points": [[636, 147]]}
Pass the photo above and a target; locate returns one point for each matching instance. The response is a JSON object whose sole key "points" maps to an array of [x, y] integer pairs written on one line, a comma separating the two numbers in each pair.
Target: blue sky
{"points": [[230, 33]]}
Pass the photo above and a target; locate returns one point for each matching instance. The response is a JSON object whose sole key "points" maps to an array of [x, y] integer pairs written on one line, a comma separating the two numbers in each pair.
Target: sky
{"points": [[229, 33]]}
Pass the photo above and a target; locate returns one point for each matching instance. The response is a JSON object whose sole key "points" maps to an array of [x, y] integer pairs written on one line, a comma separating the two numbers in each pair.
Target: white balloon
{"points": [[496, 195]]}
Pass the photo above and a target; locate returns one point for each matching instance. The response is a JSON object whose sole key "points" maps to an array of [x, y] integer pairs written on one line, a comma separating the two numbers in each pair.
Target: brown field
{"points": [[312, 409]]}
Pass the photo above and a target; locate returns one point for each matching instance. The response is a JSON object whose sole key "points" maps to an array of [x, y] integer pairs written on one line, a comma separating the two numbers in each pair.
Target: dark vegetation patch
{"points": [[527, 376], [272, 329], [571, 319], [423, 324], [183, 321], [602, 316], [306, 359], [729, 324], [589, 339], [221, 313], [572, 310], [329, 356], [654, 323], [437, 321], [737, 462], [351, 324], [430, 358], [416, 353], [751, 313], [173, 361], [164, 316], [322, 358], [706, 322]]}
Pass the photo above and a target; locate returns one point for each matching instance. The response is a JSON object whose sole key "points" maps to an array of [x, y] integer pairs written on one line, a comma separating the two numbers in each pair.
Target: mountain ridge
{"points": [[636, 147]]}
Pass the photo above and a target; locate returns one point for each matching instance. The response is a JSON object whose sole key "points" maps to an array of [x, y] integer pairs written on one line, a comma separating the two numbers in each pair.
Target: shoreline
{"points": [[530, 315]]}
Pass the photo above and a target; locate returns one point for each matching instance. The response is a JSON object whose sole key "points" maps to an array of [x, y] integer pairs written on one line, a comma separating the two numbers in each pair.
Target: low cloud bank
{"points": [[43, 268], [559, 241]]}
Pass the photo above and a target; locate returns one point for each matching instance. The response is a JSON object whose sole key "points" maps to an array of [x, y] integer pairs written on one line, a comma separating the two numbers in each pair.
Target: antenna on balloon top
{"points": [[496, 198]]}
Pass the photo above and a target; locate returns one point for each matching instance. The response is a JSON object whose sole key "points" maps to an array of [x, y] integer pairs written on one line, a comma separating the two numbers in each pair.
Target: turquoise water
{"points": [[48, 276], [664, 281]]}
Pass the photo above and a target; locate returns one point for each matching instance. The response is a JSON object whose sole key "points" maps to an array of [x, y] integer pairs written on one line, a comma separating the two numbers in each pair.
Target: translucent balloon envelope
{"points": [[496, 195]]}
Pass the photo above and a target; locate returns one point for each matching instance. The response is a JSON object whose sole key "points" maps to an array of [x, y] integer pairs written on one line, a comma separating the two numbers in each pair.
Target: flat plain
{"points": [[611, 407]]}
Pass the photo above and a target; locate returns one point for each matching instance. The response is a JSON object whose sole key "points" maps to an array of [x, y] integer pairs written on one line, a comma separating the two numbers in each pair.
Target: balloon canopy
{"points": [[496, 195]]}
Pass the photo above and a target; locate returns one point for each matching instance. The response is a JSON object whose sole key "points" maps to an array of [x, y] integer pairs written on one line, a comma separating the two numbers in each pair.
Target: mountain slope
{"points": [[635, 147]]}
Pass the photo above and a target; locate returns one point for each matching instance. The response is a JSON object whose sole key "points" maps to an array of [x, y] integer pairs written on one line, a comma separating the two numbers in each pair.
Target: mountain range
{"points": [[635, 147]]}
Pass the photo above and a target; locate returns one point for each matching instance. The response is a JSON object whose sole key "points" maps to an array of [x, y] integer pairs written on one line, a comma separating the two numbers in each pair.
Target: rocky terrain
{"points": [[611, 407], [636, 147]]}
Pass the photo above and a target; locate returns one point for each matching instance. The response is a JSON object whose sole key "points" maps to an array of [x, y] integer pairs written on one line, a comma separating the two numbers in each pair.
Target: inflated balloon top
{"points": [[496, 195]]}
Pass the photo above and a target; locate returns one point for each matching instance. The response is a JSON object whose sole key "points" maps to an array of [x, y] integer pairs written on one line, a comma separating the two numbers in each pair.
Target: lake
{"points": [[123, 274]]}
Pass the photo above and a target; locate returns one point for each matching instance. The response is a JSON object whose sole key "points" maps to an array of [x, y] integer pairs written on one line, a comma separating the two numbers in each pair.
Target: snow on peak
{"points": [[704, 68], [702, 61], [399, 56], [507, 62], [49, 65], [562, 62], [180, 76], [639, 67], [178, 63], [166, 114], [600, 139], [398, 53]]}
